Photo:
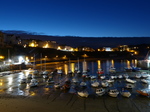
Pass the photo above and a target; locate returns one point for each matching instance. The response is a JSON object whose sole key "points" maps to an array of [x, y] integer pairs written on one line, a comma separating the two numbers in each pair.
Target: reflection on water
{"points": [[11, 85]]}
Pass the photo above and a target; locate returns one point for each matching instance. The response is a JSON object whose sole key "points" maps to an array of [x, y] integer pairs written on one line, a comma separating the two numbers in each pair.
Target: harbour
{"points": [[50, 97]]}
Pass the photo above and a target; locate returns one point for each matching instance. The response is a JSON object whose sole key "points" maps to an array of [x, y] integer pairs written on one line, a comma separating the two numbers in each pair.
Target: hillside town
{"points": [[13, 47]]}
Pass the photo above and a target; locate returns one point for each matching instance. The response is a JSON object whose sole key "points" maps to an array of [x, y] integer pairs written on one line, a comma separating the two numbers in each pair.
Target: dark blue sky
{"points": [[86, 18]]}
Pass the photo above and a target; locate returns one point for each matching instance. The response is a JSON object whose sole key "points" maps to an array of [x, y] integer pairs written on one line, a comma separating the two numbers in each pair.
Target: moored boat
{"points": [[125, 93], [95, 84], [131, 81], [100, 91], [143, 92], [113, 92], [33, 83], [83, 93]]}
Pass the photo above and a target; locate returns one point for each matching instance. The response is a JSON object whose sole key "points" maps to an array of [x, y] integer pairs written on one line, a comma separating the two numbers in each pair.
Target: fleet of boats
{"points": [[101, 83]]}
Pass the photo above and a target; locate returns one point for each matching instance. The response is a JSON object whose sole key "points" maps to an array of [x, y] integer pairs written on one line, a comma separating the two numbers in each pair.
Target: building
{"points": [[10, 39], [1, 39]]}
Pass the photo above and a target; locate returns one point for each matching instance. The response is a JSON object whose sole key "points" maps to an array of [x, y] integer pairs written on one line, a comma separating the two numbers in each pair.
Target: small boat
{"points": [[100, 91], [23, 81], [138, 76], [84, 74], [75, 80], [57, 85], [33, 83], [93, 77], [83, 84], [59, 72], [112, 70], [131, 81], [132, 69], [100, 71], [129, 86], [104, 84], [113, 77], [45, 76], [29, 76], [126, 76], [45, 72], [143, 92], [102, 77], [144, 75], [125, 93], [35, 72], [113, 92], [83, 93], [66, 86], [50, 81], [144, 81], [70, 72], [110, 80], [95, 84], [120, 76]]}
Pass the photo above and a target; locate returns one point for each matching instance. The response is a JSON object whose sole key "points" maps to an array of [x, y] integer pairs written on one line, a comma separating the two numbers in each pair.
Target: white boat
{"points": [[95, 84], [59, 71], [110, 80], [126, 76], [83, 93], [129, 86], [113, 92], [144, 81], [84, 74], [138, 76], [113, 77], [100, 91], [33, 83], [104, 84], [83, 84], [144, 75], [125, 93], [112, 70], [102, 77], [45, 76], [75, 80], [131, 81], [120, 76], [93, 77], [45, 72]]}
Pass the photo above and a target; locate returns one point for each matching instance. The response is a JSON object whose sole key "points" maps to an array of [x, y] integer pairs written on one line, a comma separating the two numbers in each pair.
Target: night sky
{"points": [[85, 18]]}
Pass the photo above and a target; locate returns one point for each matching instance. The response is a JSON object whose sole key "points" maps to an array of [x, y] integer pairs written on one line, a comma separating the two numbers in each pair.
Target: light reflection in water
{"points": [[10, 80], [135, 63], [72, 67], [112, 63], [1, 82], [84, 66], [65, 68], [128, 64], [99, 64]]}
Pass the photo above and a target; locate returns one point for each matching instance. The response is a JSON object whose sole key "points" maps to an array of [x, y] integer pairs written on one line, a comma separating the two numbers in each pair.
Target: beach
{"points": [[64, 102]]}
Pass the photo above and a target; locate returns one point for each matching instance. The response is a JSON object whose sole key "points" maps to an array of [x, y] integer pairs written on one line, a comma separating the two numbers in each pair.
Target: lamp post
{"points": [[45, 62]]}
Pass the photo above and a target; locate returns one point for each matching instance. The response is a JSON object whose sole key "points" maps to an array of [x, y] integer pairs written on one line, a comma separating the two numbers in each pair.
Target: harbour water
{"points": [[10, 85]]}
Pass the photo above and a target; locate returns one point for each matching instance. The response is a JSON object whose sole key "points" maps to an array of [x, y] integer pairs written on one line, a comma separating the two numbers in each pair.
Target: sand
{"points": [[64, 102]]}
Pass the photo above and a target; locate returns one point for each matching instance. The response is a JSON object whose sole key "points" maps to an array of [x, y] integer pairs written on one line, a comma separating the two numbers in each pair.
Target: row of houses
{"points": [[8, 40]]}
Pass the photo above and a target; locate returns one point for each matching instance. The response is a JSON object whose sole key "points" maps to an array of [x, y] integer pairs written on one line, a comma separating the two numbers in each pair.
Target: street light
{"points": [[45, 62]]}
